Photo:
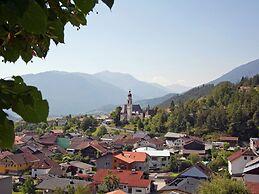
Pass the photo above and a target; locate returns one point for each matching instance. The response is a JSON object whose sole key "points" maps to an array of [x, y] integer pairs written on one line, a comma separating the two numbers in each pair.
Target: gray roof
{"points": [[174, 135], [186, 185], [54, 183], [79, 164]]}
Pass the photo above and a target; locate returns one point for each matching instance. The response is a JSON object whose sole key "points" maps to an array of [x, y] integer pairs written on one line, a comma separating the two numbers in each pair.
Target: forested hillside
{"points": [[229, 109], [193, 93]]}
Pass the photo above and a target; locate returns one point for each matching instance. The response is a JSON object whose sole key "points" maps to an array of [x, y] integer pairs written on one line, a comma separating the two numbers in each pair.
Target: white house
{"points": [[254, 145], [158, 158], [251, 171], [238, 160]]}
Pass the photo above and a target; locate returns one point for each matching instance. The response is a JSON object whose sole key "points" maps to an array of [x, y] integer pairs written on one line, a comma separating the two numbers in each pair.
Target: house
{"points": [[92, 149], [233, 141], [156, 143], [130, 181], [52, 183], [58, 132], [251, 171], [187, 185], [158, 158], [175, 140], [238, 160], [48, 139], [104, 161], [254, 145], [193, 146], [188, 181], [76, 167], [45, 166], [15, 164], [6, 184], [131, 160]]}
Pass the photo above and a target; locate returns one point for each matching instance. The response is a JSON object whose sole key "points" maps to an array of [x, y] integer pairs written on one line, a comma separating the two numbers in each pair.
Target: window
{"points": [[245, 158], [139, 168], [252, 158], [138, 190]]}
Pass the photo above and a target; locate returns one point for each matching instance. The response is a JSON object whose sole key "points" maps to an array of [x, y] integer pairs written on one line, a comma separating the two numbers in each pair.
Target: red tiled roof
{"points": [[4, 154], [253, 187], [93, 144], [239, 153], [130, 157], [23, 158], [18, 141], [132, 179], [257, 144], [117, 192], [57, 131], [228, 138]]}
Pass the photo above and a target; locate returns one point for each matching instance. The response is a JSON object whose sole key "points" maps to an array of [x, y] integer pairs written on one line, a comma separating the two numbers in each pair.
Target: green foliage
{"points": [[110, 183], [194, 158], [28, 187], [88, 122], [73, 190], [115, 115], [222, 185], [226, 109], [24, 100], [100, 131], [28, 26]]}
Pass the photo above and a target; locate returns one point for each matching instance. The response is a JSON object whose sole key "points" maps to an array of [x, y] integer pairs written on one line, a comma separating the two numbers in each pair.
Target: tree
{"points": [[26, 29], [222, 185], [116, 116], [28, 186], [194, 158], [110, 183], [100, 131]]}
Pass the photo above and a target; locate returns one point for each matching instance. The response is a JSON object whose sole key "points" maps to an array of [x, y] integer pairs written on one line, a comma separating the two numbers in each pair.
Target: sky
{"points": [[189, 42]]}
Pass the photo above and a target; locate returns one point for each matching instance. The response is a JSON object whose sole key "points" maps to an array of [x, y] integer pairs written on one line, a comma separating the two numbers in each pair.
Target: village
{"points": [[123, 161]]}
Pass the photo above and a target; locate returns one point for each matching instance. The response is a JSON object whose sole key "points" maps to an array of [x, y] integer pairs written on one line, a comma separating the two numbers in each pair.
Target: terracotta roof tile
{"points": [[241, 152], [253, 187], [130, 157], [132, 179]]}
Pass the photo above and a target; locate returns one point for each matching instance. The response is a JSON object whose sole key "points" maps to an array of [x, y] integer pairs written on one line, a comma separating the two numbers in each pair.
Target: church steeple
{"points": [[129, 106]]}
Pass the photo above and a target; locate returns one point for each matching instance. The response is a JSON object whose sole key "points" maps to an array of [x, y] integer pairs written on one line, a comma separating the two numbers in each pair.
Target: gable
{"points": [[194, 172]]}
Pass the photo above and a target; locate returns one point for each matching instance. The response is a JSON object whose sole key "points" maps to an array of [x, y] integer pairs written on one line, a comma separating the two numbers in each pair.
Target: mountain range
{"points": [[75, 93]]}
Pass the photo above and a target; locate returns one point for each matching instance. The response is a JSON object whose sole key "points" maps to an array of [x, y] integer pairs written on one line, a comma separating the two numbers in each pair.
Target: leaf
{"points": [[56, 29], [85, 5], [29, 104], [6, 131], [109, 3], [34, 19], [26, 55]]}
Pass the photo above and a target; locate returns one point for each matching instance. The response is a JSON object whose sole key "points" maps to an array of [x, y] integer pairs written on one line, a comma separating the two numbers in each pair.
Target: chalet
{"points": [[233, 141], [52, 183], [158, 158], [76, 167], [58, 132], [193, 146], [130, 181], [175, 140], [17, 163], [131, 160], [251, 171], [188, 181], [254, 145], [156, 143], [43, 167], [104, 161], [48, 139], [238, 160], [91, 149]]}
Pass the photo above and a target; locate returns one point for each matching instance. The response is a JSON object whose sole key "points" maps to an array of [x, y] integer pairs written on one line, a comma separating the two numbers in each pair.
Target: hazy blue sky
{"points": [[163, 41]]}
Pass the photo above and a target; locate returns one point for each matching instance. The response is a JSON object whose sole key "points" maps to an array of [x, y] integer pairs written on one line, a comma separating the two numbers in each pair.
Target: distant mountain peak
{"points": [[246, 70]]}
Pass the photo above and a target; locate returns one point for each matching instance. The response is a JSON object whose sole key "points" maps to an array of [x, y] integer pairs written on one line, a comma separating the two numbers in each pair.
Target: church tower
{"points": [[129, 106]]}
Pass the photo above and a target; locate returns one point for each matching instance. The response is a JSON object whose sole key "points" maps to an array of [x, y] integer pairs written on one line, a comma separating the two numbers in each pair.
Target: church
{"points": [[130, 111]]}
